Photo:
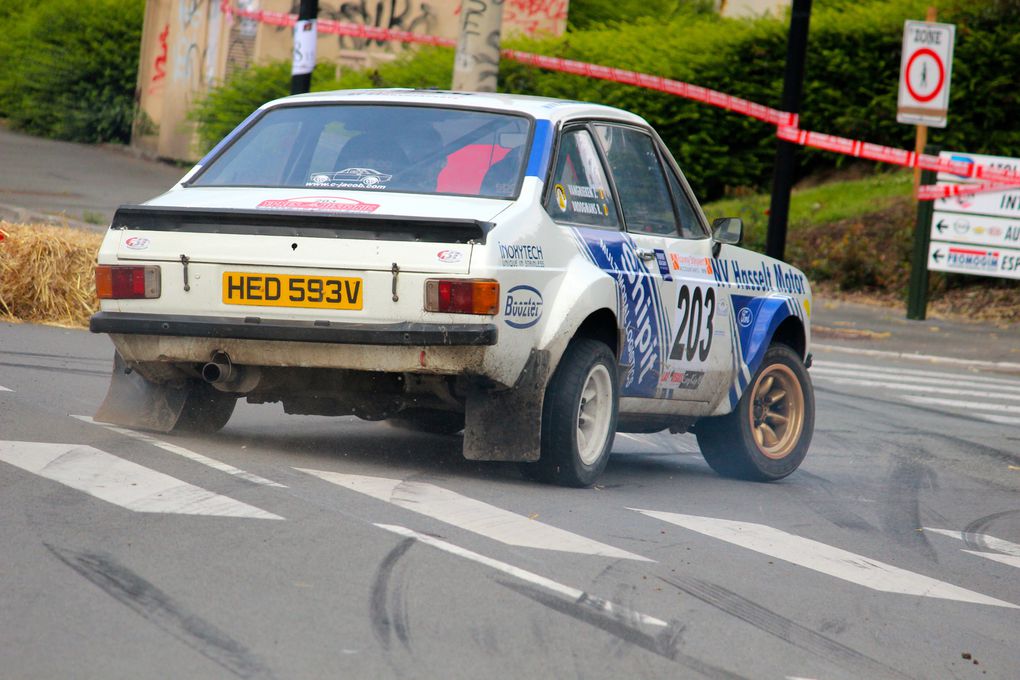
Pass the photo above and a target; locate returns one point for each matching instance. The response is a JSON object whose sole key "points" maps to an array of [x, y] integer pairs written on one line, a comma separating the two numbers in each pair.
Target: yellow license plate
{"points": [[285, 290]]}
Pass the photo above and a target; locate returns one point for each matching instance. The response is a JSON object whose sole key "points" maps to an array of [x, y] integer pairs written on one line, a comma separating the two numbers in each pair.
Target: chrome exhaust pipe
{"points": [[218, 370], [221, 373]]}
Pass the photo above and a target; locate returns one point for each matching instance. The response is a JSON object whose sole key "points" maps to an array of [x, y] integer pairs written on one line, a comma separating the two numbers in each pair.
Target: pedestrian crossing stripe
{"points": [[121, 482]]}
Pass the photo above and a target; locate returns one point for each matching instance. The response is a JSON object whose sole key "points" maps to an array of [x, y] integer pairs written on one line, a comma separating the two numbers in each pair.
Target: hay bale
{"points": [[46, 274]]}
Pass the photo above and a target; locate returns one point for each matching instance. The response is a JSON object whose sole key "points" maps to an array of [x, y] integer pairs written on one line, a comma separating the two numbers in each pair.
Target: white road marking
{"points": [[1011, 560], [186, 453], [973, 405], [906, 387], [828, 368], [825, 559], [915, 357], [5, 389], [120, 481], [472, 515], [1002, 420], [567, 591], [982, 539]]}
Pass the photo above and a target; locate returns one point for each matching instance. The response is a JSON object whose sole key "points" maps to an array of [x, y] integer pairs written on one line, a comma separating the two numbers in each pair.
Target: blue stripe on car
{"points": [[541, 149]]}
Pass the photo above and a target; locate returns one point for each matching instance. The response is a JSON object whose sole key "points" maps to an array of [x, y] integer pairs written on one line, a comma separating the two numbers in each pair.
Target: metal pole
{"points": [[793, 86], [476, 63], [917, 294], [922, 130], [305, 34]]}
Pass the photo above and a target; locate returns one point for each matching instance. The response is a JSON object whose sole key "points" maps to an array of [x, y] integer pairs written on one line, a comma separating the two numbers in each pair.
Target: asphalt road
{"points": [[302, 547], [82, 184]]}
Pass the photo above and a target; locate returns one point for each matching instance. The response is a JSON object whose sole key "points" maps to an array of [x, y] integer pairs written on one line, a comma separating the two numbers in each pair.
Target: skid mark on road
{"points": [[665, 644], [160, 609], [579, 596], [122, 482], [781, 627], [389, 611], [825, 559], [474, 516], [186, 453]]}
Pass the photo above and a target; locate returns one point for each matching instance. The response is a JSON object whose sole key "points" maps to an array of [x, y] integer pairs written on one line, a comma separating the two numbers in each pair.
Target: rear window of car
{"points": [[415, 149]]}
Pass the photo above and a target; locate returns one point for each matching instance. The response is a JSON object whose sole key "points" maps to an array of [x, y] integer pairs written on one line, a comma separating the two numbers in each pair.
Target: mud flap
{"points": [[132, 401], [506, 425]]}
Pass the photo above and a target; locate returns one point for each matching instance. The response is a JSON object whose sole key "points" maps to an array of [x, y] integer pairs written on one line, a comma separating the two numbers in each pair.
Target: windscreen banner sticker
{"points": [[639, 306], [318, 203], [349, 178], [660, 259], [523, 307]]}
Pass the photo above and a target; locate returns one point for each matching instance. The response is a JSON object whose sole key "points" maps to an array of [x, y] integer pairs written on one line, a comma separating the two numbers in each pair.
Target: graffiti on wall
{"points": [[401, 15]]}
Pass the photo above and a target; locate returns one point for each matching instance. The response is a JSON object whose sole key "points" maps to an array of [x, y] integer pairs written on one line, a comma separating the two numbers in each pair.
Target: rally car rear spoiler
{"points": [[300, 223]]}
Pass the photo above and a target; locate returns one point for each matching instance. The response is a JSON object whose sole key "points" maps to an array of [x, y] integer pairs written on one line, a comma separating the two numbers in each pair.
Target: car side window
{"points": [[690, 226], [637, 173], [580, 192]]}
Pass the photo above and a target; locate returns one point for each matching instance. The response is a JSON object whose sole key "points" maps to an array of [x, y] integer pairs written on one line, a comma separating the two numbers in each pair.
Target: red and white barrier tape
{"points": [[785, 122], [930, 192]]}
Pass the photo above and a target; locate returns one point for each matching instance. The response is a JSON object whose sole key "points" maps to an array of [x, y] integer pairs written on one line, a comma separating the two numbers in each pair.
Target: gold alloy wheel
{"points": [[777, 411]]}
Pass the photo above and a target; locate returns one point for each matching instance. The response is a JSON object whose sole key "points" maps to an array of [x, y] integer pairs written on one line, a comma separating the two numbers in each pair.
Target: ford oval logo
{"points": [[744, 317], [523, 307]]}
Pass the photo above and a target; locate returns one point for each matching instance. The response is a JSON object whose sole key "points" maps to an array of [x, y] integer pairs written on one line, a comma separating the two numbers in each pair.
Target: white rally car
{"points": [[535, 272]]}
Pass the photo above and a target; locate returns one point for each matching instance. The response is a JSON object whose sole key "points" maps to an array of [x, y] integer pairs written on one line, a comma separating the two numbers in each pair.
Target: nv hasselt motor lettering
{"points": [[760, 278]]}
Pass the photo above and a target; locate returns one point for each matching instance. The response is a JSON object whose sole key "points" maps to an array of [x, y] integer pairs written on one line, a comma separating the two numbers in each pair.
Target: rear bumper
{"points": [[254, 328]]}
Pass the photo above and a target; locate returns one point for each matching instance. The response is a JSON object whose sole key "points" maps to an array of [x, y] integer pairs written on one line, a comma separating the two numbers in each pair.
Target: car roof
{"points": [[540, 108]]}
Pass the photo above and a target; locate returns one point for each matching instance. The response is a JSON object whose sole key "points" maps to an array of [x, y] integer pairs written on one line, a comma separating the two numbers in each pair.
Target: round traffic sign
{"points": [[922, 84]]}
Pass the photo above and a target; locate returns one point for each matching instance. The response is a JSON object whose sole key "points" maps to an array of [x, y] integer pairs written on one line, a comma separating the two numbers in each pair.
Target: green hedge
{"points": [[68, 69], [850, 87]]}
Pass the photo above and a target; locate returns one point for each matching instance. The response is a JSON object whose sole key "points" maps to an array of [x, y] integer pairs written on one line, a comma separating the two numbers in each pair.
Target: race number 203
{"points": [[696, 315]]}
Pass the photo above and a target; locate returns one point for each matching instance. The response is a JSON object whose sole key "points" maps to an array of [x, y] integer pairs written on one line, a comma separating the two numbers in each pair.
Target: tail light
{"points": [[462, 296], [127, 282]]}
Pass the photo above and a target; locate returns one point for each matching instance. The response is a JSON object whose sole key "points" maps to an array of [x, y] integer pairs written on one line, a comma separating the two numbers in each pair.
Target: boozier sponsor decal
{"points": [[523, 307], [319, 203]]}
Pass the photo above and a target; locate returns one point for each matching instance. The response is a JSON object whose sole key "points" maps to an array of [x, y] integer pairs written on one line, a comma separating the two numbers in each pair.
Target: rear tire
{"points": [[432, 421], [767, 436], [578, 417], [206, 409]]}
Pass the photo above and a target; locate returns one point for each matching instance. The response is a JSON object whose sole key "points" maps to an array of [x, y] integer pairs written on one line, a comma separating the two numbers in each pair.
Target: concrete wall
{"points": [[188, 45], [751, 8]]}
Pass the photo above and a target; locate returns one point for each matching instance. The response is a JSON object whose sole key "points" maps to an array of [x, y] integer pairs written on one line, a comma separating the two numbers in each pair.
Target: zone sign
{"points": [[926, 68]]}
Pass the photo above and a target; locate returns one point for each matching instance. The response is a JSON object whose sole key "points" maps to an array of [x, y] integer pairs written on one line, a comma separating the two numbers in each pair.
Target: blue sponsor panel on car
{"points": [[639, 307]]}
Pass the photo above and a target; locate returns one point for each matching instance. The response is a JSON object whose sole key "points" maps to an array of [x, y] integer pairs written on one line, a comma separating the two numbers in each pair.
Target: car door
{"points": [[580, 198], [673, 243]]}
